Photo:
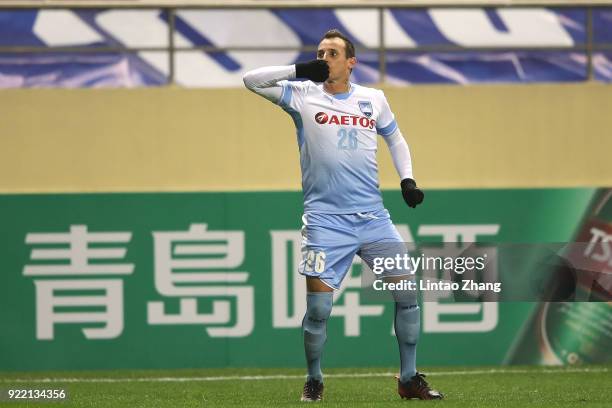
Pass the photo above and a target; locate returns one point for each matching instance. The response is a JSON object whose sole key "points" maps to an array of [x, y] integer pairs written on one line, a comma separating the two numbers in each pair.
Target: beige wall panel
{"points": [[172, 139], [507, 136]]}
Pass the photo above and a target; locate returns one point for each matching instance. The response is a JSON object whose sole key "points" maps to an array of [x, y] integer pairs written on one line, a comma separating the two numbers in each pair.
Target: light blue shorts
{"points": [[331, 241]]}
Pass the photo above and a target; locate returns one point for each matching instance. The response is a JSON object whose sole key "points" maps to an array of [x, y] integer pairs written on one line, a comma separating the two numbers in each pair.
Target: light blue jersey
{"points": [[337, 137]]}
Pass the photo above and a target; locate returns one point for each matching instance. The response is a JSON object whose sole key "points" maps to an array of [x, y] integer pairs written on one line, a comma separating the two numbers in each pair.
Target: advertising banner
{"points": [[175, 280]]}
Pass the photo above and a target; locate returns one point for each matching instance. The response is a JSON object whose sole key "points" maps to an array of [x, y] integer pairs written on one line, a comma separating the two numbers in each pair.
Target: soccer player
{"points": [[337, 123]]}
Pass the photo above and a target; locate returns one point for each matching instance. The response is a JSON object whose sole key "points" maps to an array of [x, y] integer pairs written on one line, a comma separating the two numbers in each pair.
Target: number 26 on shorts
{"points": [[315, 261]]}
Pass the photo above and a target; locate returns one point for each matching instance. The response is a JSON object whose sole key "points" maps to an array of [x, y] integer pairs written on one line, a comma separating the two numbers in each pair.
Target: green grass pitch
{"points": [[582, 386]]}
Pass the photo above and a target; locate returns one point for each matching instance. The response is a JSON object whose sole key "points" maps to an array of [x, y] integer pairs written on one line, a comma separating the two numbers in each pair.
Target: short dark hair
{"points": [[348, 44]]}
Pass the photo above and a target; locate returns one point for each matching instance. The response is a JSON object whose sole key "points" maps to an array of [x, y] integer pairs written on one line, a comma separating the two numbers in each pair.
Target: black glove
{"points": [[315, 70], [411, 193]]}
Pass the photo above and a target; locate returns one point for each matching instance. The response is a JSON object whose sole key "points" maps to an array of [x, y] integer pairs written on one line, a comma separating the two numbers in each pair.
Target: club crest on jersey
{"points": [[366, 108]]}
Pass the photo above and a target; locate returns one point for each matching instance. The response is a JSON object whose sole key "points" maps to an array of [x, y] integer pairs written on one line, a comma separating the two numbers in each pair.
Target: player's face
{"points": [[333, 51]]}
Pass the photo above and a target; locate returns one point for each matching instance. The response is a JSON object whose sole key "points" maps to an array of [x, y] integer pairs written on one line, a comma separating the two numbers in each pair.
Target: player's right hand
{"points": [[315, 70], [413, 196]]}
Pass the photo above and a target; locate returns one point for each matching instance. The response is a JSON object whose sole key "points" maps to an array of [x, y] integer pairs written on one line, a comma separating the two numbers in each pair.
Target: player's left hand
{"points": [[413, 196]]}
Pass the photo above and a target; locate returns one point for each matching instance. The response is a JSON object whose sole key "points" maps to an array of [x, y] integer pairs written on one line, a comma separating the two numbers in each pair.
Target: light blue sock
{"points": [[314, 326], [407, 329]]}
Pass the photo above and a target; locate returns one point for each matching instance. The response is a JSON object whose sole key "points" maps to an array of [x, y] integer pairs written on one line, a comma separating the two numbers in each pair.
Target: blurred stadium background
{"points": [[150, 205]]}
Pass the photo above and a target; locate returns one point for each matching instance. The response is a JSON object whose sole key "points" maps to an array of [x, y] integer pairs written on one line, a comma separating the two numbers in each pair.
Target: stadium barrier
{"points": [[211, 140]]}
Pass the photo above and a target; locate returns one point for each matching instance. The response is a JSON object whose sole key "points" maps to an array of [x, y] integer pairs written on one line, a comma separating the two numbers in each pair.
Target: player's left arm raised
{"points": [[400, 153]]}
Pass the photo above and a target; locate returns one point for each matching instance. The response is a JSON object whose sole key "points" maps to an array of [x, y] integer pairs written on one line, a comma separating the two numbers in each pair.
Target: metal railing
{"points": [[170, 7]]}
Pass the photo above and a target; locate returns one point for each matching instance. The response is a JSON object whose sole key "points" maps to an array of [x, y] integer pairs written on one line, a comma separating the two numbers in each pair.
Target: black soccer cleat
{"points": [[417, 387], [313, 391]]}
